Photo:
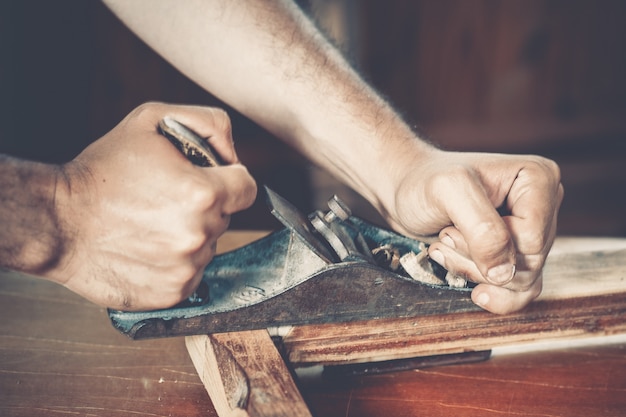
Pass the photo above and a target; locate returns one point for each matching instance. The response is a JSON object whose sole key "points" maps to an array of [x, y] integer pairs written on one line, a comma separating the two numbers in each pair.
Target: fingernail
{"points": [[501, 274], [438, 257], [482, 299], [447, 240]]}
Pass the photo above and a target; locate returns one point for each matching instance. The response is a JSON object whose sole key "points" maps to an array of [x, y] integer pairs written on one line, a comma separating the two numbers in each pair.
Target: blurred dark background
{"points": [[518, 76]]}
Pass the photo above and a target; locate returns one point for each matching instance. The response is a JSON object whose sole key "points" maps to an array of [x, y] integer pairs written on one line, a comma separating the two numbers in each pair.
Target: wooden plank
{"points": [[245, 375], [402, 338], [584, 294]]}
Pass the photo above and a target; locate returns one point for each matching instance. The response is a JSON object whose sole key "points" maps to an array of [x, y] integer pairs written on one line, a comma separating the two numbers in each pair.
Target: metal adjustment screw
{"points": [[338, 210], [319, 222]]}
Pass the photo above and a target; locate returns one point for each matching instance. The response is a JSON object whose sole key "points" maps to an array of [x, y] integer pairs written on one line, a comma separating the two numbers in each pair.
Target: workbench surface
{"points": [[59, 355]]}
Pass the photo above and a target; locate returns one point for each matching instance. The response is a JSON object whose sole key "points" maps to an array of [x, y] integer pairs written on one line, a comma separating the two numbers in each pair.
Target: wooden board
{"points": [[584, 294], [59, 354]]}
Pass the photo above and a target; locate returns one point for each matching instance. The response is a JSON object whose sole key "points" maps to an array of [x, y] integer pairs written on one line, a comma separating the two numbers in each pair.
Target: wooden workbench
{"points": [[59, 355]]}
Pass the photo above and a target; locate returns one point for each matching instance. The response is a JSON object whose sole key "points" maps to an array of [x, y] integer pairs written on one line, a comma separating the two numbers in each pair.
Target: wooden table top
{"points": [[59, 355]]}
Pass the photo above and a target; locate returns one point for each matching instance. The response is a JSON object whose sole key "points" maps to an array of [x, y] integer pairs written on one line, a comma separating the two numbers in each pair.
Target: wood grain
{"points": [[59, 355], [584, 294], [575, 382], [245, 375]]}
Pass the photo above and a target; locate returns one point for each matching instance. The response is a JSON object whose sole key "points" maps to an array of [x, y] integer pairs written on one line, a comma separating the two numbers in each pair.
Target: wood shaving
{"points": [[456, 281], [388, 256], [418, 267]]}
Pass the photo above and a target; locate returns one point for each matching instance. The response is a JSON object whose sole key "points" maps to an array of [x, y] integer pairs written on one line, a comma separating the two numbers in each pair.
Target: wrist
{"points": [[71, 184], [384, 173], [32, 237], [405, 176], [370, 149]]}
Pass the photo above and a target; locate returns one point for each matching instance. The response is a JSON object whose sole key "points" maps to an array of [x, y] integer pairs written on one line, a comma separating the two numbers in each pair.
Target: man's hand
{"points": [[495, 216], [140, 221]]}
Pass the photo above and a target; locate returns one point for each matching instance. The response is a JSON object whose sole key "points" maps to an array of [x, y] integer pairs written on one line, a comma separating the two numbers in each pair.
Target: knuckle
{"points": [[527, 284], [452, 178], [220, 113], [531, 241], [186, 275], [248, 189], [205, 199], [545, 168], [192, 243], [553, 168], [146, 110], [445, 185], [200, 196], [530, 262], [221, 120]]}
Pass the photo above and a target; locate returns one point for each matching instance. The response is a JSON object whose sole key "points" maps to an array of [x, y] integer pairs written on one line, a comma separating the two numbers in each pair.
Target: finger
{"points": [[485, 233], [210, 123], [524, 278], [513, 296], [534, 200], [238, 188], [203, 258], [206, 254], [502, 300], [534, 233], [452, 237], [455, 262], [530, 259]]}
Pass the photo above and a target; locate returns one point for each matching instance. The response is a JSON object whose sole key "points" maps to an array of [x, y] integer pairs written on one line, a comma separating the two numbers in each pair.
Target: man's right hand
{"points": [[140, 221]]}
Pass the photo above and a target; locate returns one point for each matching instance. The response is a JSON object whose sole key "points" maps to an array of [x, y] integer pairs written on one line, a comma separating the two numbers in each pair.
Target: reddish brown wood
{"points": [[584, 295], [453, 333], [60, 355], [245, 375], [579, 382]]}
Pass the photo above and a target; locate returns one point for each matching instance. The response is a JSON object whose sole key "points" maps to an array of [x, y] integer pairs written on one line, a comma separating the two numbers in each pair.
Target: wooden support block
{"points": [[245, 375]]}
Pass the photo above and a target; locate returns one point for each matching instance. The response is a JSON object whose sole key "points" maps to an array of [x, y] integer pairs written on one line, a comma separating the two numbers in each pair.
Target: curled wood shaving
{"points": [[456, 281], [418, 267]]}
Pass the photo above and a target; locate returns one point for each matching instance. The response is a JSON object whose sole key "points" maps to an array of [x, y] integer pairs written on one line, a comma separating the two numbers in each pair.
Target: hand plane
{"points": [[327, 267]]}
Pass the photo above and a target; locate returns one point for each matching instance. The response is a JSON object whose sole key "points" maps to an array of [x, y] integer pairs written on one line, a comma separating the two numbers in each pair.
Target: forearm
{"points": [[31, 240], [269, 62]]}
